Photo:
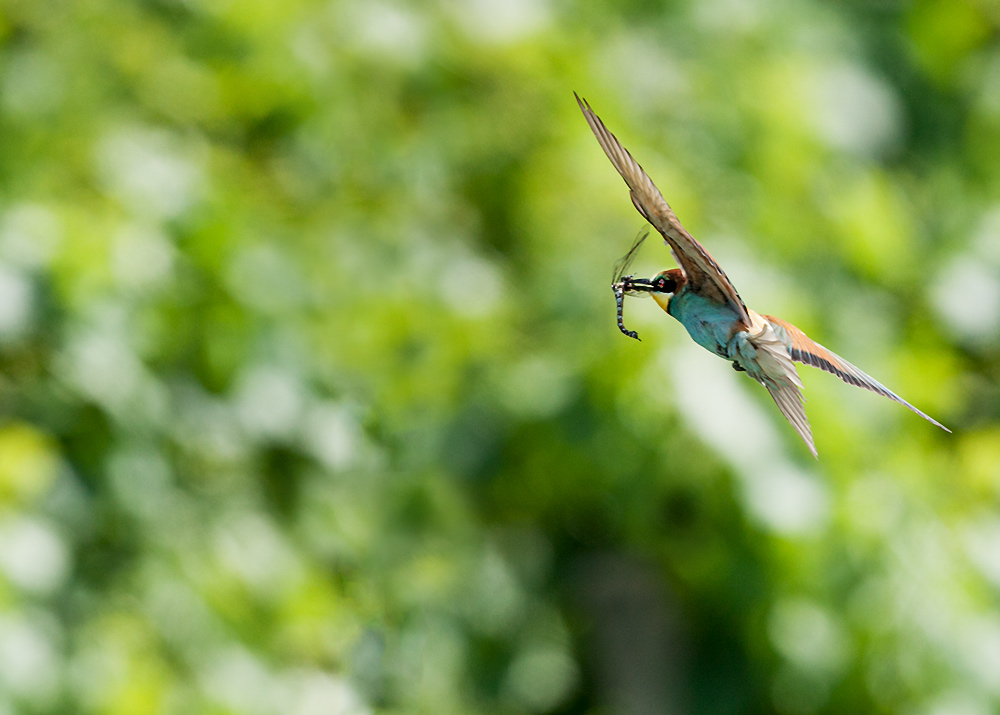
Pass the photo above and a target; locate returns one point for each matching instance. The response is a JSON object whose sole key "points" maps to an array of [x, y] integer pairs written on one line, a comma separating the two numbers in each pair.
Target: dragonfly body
{"points": [[702, 298]]}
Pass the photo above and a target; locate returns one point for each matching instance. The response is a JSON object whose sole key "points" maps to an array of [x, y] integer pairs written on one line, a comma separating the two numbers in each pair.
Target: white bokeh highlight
{"points": [[33, 556], [854, 111], [151, 171], [778, 493]]}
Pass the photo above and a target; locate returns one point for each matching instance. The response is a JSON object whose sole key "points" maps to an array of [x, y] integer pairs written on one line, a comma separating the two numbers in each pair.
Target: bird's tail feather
{"points": [[789, 400], [779, 376]]}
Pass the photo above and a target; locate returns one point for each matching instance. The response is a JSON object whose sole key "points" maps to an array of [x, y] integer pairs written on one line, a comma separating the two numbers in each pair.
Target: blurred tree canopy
{"points": [[314, 403]]}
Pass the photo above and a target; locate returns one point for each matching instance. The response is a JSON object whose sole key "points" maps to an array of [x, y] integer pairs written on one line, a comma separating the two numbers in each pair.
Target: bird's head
{"points": [[668, 282], [665, 285]]}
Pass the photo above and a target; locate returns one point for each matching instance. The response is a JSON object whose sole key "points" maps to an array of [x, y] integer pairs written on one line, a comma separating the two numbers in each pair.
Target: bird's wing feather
{"points": [[700, 269], [803, 349], [776, 371]]}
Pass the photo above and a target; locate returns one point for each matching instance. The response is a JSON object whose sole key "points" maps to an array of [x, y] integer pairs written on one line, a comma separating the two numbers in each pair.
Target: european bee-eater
{"points": [[702, 298]]}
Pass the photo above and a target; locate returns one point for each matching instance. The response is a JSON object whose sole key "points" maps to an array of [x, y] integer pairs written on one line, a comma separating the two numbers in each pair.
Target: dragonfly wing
{"points": [[702, 272], [625, 262]]}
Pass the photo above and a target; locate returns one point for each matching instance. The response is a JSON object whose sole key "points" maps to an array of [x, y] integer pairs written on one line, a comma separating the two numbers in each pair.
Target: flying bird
{"points": [[704, 300]]}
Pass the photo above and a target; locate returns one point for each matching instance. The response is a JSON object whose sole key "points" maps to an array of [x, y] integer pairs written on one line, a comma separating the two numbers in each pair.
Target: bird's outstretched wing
{"points": [[803, 349], [702, 272]]}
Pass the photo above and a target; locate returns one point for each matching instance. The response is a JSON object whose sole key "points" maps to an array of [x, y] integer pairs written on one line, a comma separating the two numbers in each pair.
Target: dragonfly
{"points": [[701, 297], [623, 285]]}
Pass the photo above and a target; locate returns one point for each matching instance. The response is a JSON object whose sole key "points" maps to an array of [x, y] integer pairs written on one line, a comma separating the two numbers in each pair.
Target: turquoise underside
{"points": [[708, 323]]}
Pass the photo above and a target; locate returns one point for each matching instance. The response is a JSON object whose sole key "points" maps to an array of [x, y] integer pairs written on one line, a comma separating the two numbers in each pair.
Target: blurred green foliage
{"points": [[313, 400]]}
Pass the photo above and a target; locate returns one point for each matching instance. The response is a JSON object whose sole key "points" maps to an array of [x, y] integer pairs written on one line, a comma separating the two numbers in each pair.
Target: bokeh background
{"points": [[313, 401]]}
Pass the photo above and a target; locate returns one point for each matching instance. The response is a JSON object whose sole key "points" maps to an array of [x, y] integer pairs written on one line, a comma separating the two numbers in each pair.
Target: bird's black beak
{"points": [[638, 284]]}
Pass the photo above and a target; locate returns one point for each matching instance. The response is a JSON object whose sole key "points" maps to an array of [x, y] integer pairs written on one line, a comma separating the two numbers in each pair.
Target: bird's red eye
{"points": [[662, 284]]}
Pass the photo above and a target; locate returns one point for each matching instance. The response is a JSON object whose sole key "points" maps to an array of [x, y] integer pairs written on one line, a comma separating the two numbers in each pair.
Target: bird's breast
{"points": [[709, 324]]}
